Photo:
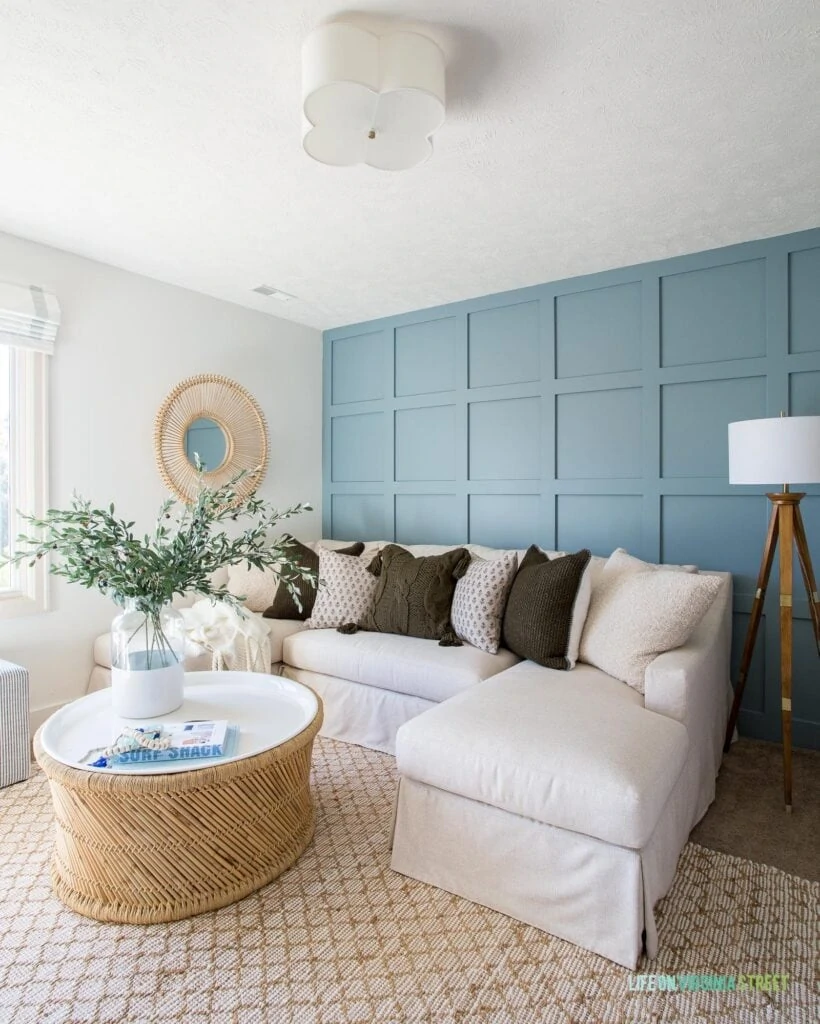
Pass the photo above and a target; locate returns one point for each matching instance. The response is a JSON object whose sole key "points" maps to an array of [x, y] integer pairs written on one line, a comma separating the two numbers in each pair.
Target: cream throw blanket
{"points": [[237, 641]]}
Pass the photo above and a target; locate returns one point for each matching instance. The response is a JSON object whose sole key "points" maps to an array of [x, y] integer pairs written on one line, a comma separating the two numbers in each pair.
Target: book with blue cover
{"points": [[195, 742]]}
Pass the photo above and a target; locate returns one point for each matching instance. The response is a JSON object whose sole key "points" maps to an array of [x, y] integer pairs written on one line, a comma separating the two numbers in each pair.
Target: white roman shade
{"points": [[29, 317]]}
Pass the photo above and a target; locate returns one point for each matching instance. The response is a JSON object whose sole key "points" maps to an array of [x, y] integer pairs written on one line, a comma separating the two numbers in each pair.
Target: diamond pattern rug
{"points": [[342, 939]]}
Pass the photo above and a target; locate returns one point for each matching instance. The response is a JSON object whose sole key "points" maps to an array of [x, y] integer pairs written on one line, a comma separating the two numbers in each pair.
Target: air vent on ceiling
{"points": [[274, 293]]}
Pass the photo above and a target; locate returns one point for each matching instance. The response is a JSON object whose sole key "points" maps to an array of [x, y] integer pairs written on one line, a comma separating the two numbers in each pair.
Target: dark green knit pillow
{"points": [[547, 608], [414, 595], [284, 607]]}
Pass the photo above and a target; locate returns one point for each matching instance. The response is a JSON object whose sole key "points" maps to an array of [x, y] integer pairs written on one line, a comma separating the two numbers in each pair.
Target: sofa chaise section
{"points": [[564, 799]]}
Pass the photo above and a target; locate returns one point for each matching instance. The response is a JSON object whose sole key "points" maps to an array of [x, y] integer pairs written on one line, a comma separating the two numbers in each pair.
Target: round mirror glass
{"points": [[205, 437]]}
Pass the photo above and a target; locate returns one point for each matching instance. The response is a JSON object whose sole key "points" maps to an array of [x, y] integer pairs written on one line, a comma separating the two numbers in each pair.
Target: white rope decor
{"points": [[128, 740], [235, 411]]}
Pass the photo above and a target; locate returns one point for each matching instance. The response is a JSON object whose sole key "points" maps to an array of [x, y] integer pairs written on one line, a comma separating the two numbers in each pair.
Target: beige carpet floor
{"points": [[342, 938], [748, 818]]}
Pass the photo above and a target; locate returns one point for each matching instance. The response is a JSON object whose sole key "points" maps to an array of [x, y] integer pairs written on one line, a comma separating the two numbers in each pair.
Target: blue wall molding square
{"points": [[590, 412]]}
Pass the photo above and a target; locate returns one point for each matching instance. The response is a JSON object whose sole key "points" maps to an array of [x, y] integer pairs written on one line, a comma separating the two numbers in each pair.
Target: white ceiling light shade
{"points": [[371, 99]]}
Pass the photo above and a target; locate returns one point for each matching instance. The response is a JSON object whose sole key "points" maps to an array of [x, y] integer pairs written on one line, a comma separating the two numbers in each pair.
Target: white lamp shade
{"points": [[371, 99], [781, 450]]}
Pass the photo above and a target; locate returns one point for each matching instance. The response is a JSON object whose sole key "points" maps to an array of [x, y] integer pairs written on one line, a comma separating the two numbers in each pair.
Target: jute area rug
{"points": [[342, 938]]}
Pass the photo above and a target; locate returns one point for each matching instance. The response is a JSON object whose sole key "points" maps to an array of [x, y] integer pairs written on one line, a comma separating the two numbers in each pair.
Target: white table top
{"points": [[269, 710]]}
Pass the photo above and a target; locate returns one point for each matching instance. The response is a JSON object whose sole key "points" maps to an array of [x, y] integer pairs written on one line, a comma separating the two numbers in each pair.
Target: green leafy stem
{"points": [[92, 547]]}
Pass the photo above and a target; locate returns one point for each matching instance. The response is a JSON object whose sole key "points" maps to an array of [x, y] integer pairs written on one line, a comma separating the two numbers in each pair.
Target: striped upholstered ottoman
{"points": [[15, 760]]}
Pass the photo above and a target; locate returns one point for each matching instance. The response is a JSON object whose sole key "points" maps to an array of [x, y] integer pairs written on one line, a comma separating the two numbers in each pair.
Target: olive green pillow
{"points": [[414, 595], [547, 607], [284, 607]]}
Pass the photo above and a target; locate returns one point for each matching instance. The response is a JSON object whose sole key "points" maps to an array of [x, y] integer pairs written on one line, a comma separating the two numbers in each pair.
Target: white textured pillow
{"points": [[346, 591], [621, 560], [256, 586], [479, 599], [638, 611]]}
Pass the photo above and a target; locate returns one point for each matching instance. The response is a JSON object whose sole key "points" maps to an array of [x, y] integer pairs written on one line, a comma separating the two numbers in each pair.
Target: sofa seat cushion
{"points": [[404, 664], [576, 750]]}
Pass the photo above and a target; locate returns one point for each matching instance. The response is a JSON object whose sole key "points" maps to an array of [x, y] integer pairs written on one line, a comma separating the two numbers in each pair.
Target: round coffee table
{"points": [[169, 840]]}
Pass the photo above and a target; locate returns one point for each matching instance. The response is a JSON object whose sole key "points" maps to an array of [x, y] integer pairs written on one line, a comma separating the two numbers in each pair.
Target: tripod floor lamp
{"points": [[764, 452]]}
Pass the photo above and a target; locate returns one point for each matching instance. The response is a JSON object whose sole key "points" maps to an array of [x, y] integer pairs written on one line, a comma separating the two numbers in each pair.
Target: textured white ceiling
{"points": [[163, 136]]}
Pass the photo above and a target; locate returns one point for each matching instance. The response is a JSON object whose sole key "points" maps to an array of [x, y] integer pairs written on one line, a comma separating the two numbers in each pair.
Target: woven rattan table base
{"points": [[140, 849]]}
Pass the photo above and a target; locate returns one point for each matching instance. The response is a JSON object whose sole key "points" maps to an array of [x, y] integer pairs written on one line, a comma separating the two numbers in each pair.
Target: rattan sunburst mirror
{"points": [[220, 421]]}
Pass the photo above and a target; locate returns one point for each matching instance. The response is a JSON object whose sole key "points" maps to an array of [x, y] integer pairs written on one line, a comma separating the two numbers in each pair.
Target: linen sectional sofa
{"points": [[560, 798]]}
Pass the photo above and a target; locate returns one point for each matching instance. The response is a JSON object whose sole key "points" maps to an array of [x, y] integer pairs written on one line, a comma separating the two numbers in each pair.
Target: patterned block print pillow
{"points": [[283, 605], [480, 598], [346, 591]]}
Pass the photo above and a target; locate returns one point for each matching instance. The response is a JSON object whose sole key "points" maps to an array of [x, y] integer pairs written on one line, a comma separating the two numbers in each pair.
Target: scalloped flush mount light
{"points": [[371, 99]]}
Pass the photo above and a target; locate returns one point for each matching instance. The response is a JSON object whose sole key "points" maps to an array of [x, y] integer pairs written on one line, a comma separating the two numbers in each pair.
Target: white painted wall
{"points": [[125, 341]]}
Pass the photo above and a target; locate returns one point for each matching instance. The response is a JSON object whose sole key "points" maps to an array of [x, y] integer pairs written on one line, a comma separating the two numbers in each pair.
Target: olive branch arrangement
{"points": [[92, 547]]}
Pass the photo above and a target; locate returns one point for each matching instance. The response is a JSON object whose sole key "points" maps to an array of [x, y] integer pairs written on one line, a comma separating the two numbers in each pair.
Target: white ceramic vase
{"points": [[147, 694], [147, 663]]}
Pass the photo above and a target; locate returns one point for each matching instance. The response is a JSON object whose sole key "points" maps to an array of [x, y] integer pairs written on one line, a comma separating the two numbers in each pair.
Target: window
{"points": [[28, 324], [7, 574], [23, 438]]}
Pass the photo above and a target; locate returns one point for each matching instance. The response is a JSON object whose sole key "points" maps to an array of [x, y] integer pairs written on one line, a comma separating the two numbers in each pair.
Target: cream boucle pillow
{"points": [[622, 560], [256, 586], [346, 591], [638, 611]]}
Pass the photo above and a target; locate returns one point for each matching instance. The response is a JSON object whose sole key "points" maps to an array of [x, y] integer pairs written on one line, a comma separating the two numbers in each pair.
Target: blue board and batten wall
{"points": [[592, 413]]}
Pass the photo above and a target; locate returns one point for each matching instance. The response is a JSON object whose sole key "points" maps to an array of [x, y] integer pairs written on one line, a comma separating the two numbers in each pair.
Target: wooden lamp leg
{"points": [[786, 510], [804, 555], [754, 622], [786, 528]]}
